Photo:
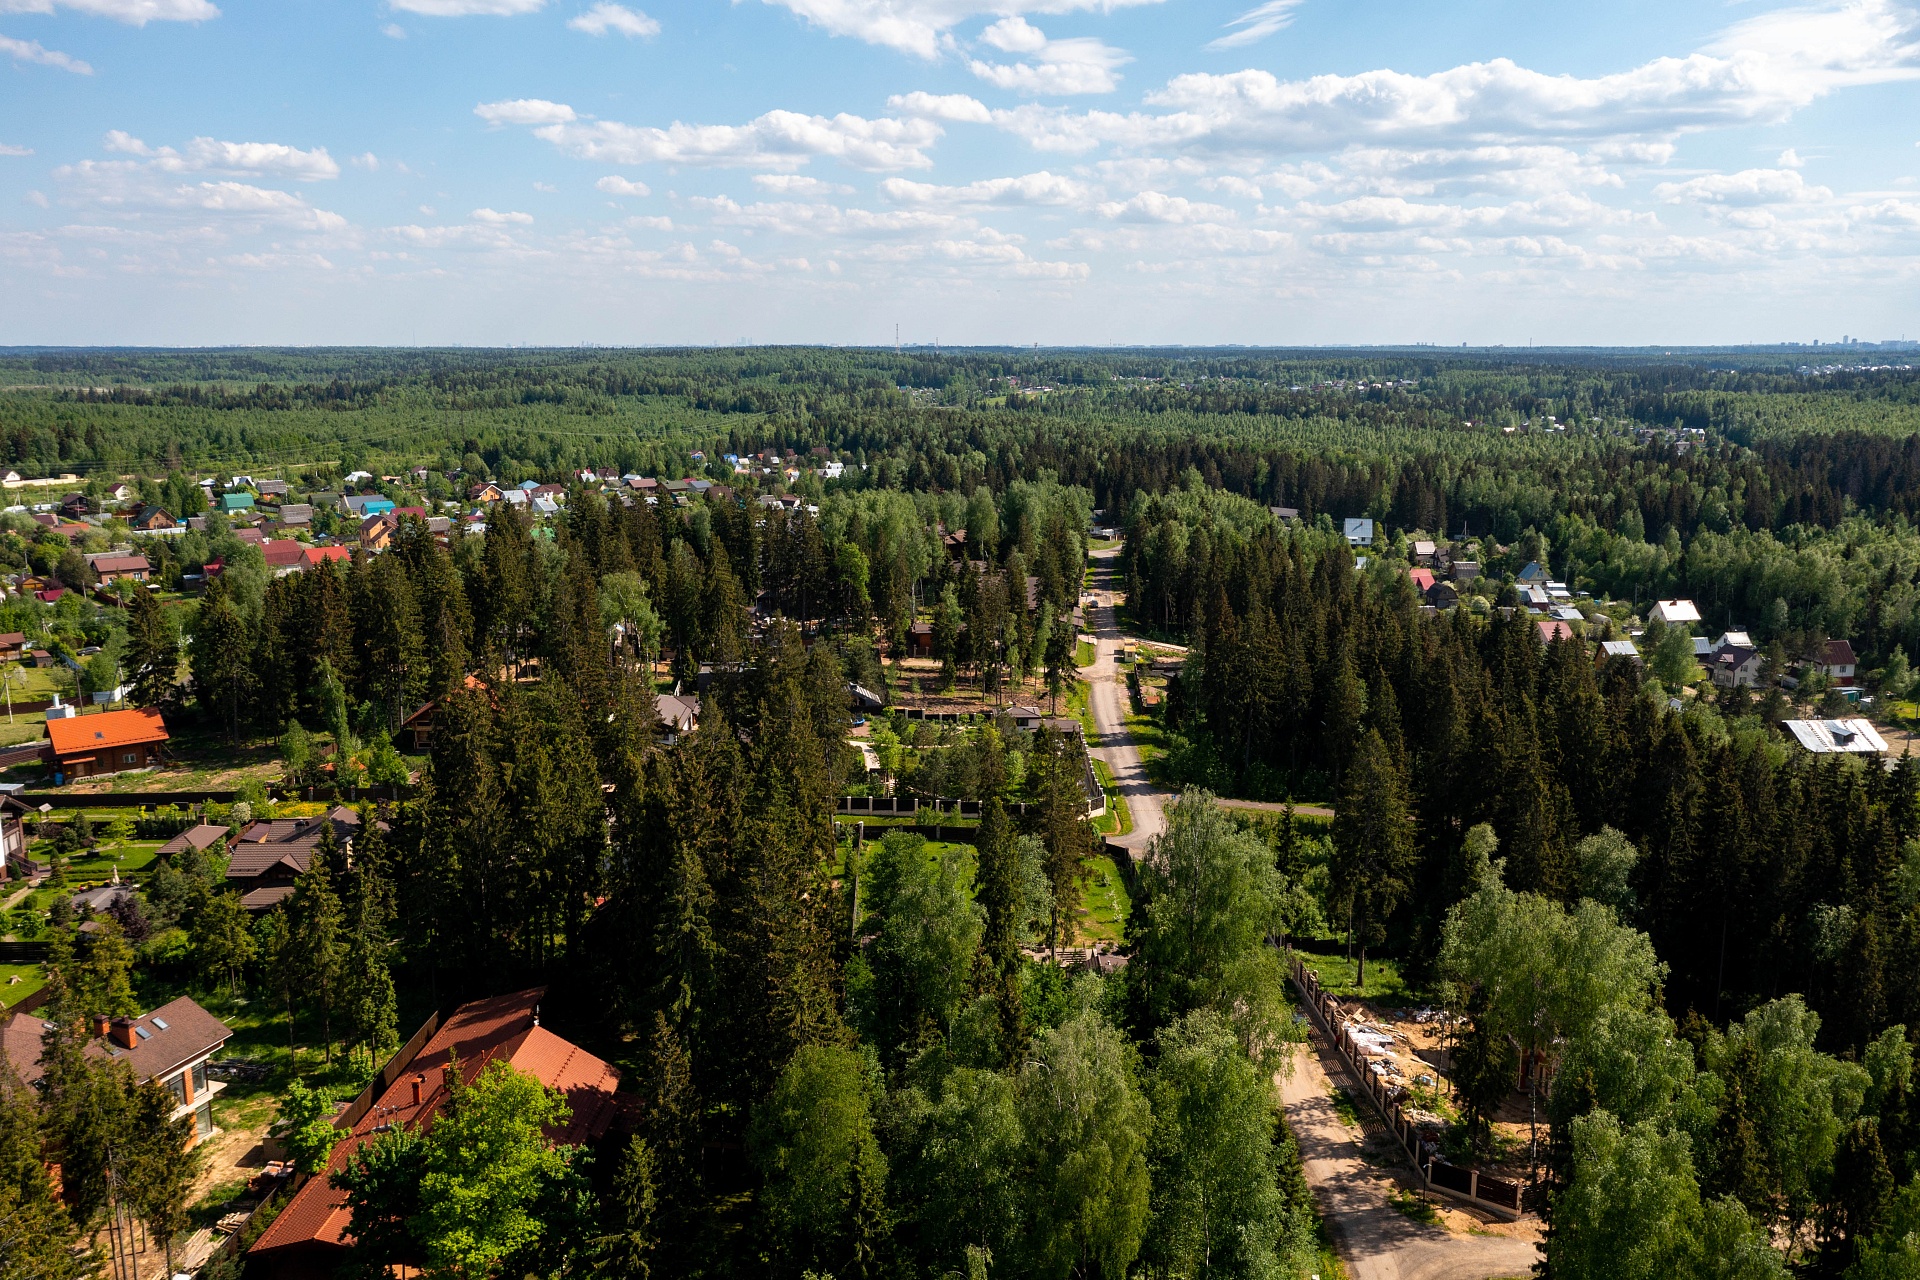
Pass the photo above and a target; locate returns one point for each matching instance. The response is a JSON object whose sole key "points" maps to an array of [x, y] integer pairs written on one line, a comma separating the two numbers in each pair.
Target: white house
{"points": [[1674, 613], [1359, 532], [1829, 737]]}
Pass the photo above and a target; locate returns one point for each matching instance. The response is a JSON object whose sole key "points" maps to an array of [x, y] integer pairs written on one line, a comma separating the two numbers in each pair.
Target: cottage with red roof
{"points": [[309, 1238], [88, 746]]}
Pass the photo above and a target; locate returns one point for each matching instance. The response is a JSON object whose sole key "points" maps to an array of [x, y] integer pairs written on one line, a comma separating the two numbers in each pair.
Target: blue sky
{"points": [[1052, 171]]}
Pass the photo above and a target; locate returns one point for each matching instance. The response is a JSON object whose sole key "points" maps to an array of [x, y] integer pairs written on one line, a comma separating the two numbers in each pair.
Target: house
{"points": [[679, 714], [355, 477], [132, 567], [1837, 737], [13, 831], [1422, 579], [1566, 613], [296, 513], [1443, 595], [1425, 552], [1552, 629], [1735, 640], [558, 492], [122, 492], [367, 504], [75, 506], [13, 646], [1284, 514], [484, 492], [314, 557], [920, 640], [309, 1240], [1676, 613], [376, 532], [200, 837], [1608, 650], [1532, 573], [544, 506], [1359, 532], [272, 488], [1836, 662], [283, 556], [1466, 570], [170, 1045], [252, 537], [269, 855], [642, 484], [514, 497], [149, 519], [89, 746], [1025, 717], [232, 502], [1533, 595], [1732, 665], [863, 700]]}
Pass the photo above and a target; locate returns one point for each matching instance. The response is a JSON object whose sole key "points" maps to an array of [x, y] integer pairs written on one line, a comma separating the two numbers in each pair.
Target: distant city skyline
{"points": [[1066, 172]]}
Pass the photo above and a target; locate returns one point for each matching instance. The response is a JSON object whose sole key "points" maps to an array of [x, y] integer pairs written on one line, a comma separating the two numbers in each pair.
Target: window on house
{"points": [[199, 1079], [203, 1119], [178, 1088]]}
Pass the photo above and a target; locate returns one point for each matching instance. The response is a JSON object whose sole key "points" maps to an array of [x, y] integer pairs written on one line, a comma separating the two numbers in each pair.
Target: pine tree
{"points": [[221, 659], [153, 653], [1373, 844], [317, 935]]}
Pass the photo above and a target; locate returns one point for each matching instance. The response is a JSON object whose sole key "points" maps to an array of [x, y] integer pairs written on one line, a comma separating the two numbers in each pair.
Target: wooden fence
{"points": [[1498, 1196]]}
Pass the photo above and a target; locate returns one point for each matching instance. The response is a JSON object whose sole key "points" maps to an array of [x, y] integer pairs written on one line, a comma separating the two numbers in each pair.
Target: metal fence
{"points": [[1498, 1196]]}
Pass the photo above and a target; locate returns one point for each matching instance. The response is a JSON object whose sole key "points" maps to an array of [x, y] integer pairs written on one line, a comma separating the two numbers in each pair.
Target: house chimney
{"points": [[101, 1022], [417, 1082], [122, 1033]]}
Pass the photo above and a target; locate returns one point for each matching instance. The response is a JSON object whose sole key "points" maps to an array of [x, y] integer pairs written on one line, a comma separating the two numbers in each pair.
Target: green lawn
{"points": [[1104, 905], [1118, 819], [1085, 653], [31, 980], [1384, 983]]}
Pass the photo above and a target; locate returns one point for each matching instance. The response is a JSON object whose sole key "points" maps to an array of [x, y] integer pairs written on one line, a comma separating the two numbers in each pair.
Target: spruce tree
{"points": [[153, 653]]}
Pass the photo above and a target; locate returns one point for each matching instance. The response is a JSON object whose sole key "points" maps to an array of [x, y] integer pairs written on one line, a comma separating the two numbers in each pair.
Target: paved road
{"points": [[1377, 1241], [1107, 700]]}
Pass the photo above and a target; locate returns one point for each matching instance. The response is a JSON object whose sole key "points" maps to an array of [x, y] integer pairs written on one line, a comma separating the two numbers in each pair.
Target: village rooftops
{"points": [[155, 1044], [310, 1235], [1676, 612], [203, 835], [1832, 737]]}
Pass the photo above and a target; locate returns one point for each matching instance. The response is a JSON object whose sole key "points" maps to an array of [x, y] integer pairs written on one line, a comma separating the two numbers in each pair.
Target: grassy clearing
{"points": [[1104, 905], [1344, 1106], [1413, 1205], [1086, 653], [31, 980], [1118, 819], [1337, 974]]}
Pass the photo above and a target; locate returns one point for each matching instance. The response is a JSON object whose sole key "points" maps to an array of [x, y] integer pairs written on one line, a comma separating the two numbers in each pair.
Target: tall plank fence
{"points": [[1498, 1196]]}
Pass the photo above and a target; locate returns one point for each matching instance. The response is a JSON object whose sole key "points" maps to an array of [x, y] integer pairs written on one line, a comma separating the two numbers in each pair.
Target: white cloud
{"points": [[394, 31], [1760, 71], [1749, 187], [366, 160], [604, 17], [799, 184], [1041, 188], [469, 8], [615, 185], [776, 140], [1258, 23], [920, 27], [1081, 65], [6, 150], [651, 223], [1155, 206], [266, 158], [490, 215], [134, 12], [956, 107], [37, 198], [34, 51], [253, 159], [1790, 159], [531, 111]]}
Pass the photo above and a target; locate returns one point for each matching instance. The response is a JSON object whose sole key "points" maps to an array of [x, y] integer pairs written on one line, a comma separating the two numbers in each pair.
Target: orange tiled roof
{"points": [[105, 731], [503, 1028]]}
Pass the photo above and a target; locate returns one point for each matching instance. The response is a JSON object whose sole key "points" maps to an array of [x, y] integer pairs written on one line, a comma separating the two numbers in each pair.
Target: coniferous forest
{"points": [[1390, 631]]}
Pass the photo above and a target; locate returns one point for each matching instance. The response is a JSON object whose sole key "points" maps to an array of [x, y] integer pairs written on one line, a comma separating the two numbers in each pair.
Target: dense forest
{"points": [[859, 1057]]}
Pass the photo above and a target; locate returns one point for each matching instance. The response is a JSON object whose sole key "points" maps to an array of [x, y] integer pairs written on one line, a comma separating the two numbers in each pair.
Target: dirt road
{"points": [[1357, 1196], [1107, 700]]}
